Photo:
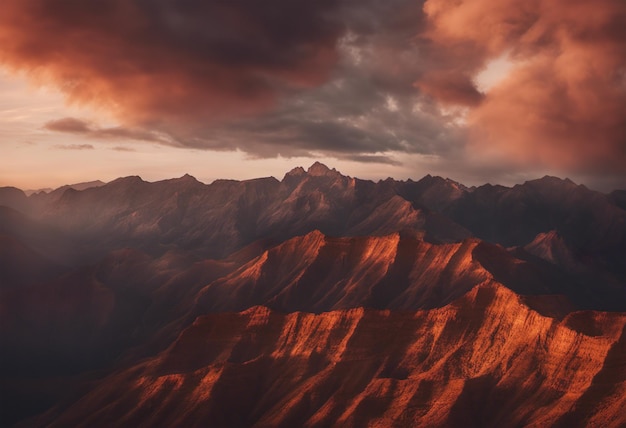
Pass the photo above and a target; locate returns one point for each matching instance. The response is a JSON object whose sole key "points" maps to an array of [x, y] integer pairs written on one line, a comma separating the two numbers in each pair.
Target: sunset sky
{"points": [[475, 90]]}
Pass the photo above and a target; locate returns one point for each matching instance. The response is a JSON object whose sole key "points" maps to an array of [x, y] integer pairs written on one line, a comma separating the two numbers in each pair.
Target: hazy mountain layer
{"points": [[215, 220]]}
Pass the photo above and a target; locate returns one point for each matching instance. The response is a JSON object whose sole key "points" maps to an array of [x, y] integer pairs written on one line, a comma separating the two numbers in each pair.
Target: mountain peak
{"points": [[551, 247], [187, 178], [130, 180], [320, 170], [296, 172], [183, 182], [552, 181]]}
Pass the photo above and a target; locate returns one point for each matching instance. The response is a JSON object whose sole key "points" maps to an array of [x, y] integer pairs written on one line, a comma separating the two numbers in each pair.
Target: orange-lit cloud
{"points": [[160, 61], [450, 87], [562, 104]]}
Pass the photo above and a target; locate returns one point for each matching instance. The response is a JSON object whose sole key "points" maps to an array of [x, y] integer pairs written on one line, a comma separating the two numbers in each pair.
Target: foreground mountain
{"points": [[484, 360], [318, 299]]}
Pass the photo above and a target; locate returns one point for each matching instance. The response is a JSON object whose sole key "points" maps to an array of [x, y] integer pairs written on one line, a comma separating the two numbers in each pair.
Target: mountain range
{"points": [[315, 300]]}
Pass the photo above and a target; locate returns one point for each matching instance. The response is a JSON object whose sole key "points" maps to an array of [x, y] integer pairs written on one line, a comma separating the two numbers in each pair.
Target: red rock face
{"points": [[318, 273], [484, 360], [317, 300]]}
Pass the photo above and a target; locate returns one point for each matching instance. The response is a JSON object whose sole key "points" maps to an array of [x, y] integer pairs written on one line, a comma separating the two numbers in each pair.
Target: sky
{"points": [[474, 90]]}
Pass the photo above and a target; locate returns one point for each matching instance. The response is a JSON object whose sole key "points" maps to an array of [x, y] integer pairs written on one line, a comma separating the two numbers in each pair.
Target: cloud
{"points": [[367, 107], [68, 124], [78, 126], [365, 80], [450, 87], [123, 149], [166, 60], [563, 102], [74, 146], [381, 159], [278, 78]]}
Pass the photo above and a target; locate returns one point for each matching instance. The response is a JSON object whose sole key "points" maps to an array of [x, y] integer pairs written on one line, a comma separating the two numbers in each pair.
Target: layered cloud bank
{"points": [[358, 80], [563, 102]]}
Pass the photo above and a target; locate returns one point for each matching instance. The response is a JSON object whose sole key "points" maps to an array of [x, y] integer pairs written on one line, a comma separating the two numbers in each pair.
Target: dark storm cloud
{"points": [[165, 60], [367, 106], [278, 77], [346, 117]]}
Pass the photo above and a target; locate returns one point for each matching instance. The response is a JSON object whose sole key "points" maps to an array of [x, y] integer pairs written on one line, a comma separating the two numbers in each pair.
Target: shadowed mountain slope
{"points": [[484, 360], [317, 273]]}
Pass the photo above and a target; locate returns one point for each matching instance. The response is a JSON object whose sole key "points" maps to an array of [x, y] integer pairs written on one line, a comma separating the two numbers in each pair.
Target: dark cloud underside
{"points": [[78, 126]]}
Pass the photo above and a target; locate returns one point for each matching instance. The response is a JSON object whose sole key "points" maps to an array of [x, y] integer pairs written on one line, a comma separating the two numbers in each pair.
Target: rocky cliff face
{"points": [[484, 360]]}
